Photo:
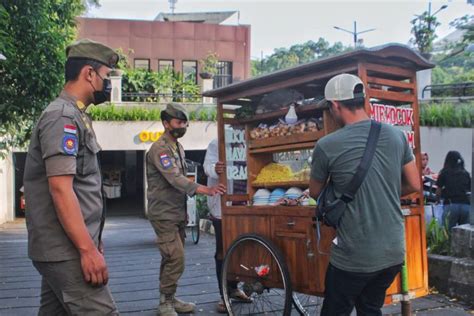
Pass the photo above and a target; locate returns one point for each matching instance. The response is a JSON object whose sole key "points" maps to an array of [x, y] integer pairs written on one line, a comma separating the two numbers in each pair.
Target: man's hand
{"points": [[218, 189], [94, 267], [219, 167]]}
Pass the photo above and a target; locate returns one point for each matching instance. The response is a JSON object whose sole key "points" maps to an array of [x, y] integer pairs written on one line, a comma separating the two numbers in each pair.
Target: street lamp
{"points": [[444, 6], [354, 33]]}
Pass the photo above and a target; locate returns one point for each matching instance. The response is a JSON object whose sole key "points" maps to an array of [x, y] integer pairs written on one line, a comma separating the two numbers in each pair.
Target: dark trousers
{"points": [[365, 291], [219, 254]]}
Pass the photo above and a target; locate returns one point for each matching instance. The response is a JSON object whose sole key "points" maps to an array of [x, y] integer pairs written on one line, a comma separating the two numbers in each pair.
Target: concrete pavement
{"points": [[133, 261]]}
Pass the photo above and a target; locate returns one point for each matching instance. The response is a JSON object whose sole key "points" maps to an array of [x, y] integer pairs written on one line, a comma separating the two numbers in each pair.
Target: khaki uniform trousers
{"points": [[65, 292], [170, 239]]}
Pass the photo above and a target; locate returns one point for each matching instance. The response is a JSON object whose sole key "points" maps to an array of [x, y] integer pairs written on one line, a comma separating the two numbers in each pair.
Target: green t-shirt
{"points": [[371, 232]]}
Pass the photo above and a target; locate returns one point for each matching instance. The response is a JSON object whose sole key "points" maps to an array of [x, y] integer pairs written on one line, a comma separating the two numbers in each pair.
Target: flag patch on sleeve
{"points": [[70, 144], [165, 161], [70, 129]]}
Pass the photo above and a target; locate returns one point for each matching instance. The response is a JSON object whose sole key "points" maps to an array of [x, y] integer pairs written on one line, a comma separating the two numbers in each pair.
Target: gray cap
{"points": [[341, 87], [88, 49], [176, 110]]}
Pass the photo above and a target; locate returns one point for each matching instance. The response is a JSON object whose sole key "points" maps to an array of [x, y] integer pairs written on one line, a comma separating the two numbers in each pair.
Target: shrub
{"points": [[114, 113], [438, 238], [447, 114]]}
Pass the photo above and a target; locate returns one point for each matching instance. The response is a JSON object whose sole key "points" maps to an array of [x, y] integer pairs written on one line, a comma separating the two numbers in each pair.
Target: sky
{"points": [[276, 24]]}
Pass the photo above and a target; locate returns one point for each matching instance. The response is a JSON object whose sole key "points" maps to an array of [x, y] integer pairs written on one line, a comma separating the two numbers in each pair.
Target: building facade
{"points": [[180, 44]]}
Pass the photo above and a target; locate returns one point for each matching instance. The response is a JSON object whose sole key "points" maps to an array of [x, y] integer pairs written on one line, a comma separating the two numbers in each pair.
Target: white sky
{"points": [[284, 23]]}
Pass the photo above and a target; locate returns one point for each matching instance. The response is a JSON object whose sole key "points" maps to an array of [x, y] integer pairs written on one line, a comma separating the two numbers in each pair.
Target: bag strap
{"points": [[365, 162]]}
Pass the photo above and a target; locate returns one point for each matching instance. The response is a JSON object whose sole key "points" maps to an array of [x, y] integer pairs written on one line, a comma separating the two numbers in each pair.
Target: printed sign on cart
{"points": [[397, 116], [235, 150]]}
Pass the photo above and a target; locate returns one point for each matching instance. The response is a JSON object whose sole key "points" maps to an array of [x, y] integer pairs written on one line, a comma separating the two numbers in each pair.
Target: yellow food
{"points": [[274, 172], [302, 175]]}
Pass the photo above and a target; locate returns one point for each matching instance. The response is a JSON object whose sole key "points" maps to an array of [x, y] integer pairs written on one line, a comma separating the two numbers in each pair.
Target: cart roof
{"points": [[398, 54]]}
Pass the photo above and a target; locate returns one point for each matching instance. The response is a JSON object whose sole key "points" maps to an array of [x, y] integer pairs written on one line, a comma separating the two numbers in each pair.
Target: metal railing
{"points": [[462, 89]]}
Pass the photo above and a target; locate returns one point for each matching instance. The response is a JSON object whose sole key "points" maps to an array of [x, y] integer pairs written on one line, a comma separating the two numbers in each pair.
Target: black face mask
{"points": [[178, 132], [103, 95]]}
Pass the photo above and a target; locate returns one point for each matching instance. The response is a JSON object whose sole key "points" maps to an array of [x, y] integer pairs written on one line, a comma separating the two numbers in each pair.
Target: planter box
{"points": [[452, 276], [439, 270]]}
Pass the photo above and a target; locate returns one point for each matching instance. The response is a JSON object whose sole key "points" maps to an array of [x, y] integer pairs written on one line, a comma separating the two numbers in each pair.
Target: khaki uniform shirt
{"points": [[62, 143], [167, 181]]}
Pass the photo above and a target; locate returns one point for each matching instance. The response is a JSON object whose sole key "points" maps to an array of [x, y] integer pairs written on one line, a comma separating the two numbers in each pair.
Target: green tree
{"points": [[33, 37], [454, 64], [424, 32], [283, 58]]}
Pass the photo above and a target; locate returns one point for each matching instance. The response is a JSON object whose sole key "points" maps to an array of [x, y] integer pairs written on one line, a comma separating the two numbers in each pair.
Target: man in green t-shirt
{"points": [[369, 248]]}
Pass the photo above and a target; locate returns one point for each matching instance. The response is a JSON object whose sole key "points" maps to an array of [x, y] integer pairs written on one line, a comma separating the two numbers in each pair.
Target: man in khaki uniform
{"points": [[168, 188], [63, 190]]}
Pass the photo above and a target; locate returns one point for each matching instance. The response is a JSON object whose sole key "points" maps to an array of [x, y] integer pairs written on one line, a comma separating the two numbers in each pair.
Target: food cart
{"points": [[278, 254]]}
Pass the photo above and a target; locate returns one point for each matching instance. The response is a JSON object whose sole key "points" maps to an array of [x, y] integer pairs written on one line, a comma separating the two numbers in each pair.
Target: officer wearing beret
{"points": [[168, 188], [63, 190]]}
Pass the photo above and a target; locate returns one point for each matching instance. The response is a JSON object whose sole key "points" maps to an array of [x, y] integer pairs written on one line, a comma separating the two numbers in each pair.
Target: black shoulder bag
{"points": [[331, 208]]}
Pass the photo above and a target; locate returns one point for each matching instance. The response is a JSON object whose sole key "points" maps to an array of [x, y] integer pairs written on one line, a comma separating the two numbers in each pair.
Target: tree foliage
{"points": [[454, 64], [424, 32], [33, 37], [283, 58]]}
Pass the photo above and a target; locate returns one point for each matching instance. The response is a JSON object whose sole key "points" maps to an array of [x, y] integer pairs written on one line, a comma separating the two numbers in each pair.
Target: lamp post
{"points": [[354, 32], [444, 6]]}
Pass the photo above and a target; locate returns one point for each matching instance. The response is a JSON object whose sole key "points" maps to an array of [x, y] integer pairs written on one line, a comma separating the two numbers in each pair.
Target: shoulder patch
{"points": [[70, 144], [165, 161]]}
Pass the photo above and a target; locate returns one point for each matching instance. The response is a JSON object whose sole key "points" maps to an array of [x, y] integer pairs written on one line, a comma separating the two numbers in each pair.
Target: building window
{"points": [[165, 64], [141, 64], [190, 70], [224, 74]]}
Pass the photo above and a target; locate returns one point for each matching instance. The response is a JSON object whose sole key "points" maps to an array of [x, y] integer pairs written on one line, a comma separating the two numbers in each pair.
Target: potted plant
{"points": [[209, 65]]}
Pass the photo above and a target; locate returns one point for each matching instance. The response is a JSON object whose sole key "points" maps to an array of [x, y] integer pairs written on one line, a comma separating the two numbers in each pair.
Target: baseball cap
{"points": [[88, 49], [341, 88]]}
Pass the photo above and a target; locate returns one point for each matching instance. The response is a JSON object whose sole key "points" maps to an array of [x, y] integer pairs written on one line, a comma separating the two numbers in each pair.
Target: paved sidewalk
{"points": [[133, 261]]}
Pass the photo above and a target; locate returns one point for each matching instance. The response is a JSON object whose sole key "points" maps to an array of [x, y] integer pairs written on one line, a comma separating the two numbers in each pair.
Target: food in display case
{"points": [[281, 128], [290, 166], [274, 172], [303, 174]]}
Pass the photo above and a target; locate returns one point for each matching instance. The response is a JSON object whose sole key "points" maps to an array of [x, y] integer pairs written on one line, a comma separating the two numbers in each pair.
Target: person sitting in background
{"points": [[424, 164], [454, 185]]}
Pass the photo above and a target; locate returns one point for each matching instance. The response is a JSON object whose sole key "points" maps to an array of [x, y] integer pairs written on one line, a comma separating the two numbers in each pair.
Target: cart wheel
{"points": [[255, 266], [195, 230], [307, 304]]}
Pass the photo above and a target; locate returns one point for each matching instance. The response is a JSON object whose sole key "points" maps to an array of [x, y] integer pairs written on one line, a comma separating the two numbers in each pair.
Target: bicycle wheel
{"points": [[195, 230], [307, 305], [255, 266]]}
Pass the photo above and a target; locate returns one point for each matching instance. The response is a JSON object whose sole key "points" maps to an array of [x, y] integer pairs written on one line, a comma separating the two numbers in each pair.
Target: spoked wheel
{"points": [[307, 305], [257, 268], [195, 230]]}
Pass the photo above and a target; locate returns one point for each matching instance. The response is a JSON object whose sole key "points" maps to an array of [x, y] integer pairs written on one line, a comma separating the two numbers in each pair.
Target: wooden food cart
{"points": [[273, 253]]}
